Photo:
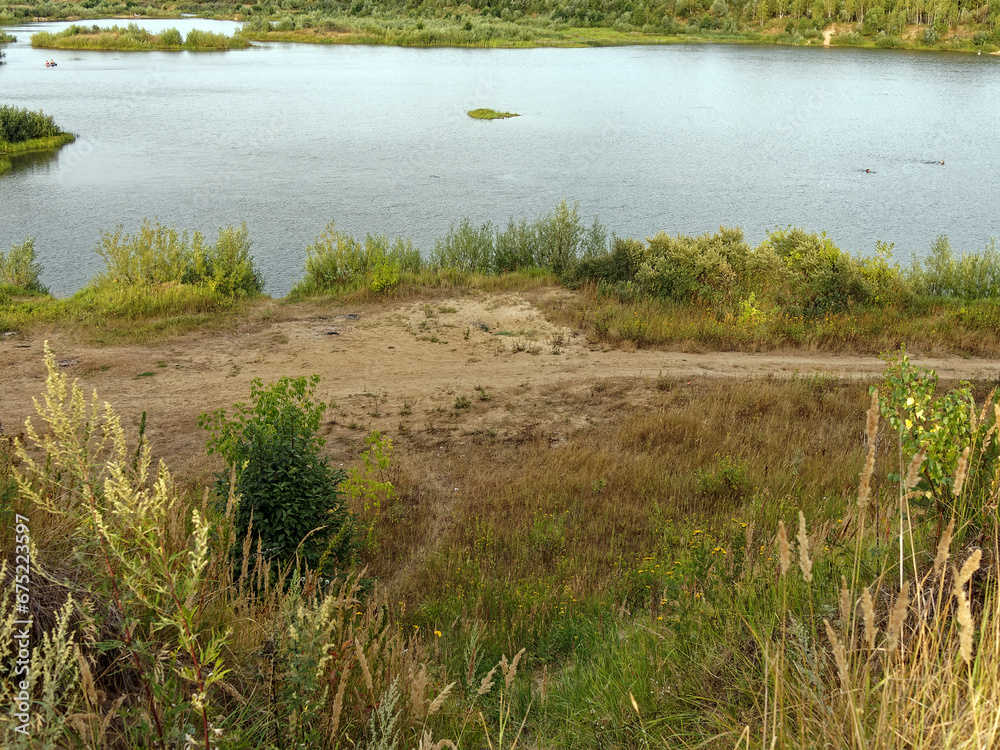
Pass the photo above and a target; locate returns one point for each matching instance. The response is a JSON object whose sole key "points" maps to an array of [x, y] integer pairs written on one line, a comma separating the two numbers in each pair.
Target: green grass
{"points": [[120, 313], [490, 114], [49, 143]]}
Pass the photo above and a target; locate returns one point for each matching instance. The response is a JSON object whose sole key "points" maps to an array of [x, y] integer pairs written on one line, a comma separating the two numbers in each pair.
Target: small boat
{"points": [[51, 64]]}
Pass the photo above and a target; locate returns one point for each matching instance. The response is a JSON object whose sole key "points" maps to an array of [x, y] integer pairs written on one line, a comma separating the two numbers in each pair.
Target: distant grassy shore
{"points": [[131, 38], [944, 26]]}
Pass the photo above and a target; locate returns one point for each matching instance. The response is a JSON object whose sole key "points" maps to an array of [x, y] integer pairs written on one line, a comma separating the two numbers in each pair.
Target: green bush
{"points": [[171, 38], [466, 248], [160, 255], [227, 266], [971, 276], [287, 490], [19, 268], [706, 268], [613, 268], [335, 259], [727, 480], [18, 125], [822, 278]]}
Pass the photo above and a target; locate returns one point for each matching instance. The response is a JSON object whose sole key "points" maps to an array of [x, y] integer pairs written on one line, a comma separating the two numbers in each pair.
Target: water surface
{"points": [[676, 138]]}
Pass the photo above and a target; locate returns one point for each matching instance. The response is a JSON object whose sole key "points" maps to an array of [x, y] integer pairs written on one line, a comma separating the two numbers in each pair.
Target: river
{"points": [[672, 138]]}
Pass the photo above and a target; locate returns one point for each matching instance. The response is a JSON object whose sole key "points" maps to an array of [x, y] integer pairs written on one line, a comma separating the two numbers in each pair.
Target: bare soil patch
{"points": [[476, 366]]}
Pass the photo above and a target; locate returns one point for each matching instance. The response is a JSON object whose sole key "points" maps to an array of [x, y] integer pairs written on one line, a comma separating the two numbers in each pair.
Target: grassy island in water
{"points": [[490, 114], [22, 130], [131, 38]]}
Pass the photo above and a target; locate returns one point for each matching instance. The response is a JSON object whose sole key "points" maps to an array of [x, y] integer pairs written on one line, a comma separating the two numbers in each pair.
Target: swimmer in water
{"points": [[868, 171]]}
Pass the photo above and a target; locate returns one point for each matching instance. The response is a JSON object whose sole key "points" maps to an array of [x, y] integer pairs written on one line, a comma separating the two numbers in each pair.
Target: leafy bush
{"points": [[727, 480], [160, 255], [705, 268], [171, 38], [336, 259], [614, 267], [18, 267], [227, 266], [941, 427], [289, 494], [554, 241], [971, 276], [19, 125], [822, 278]]}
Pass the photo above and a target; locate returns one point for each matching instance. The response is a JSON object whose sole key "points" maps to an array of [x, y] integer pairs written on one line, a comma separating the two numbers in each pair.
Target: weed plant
{"points": [[20, 269]]}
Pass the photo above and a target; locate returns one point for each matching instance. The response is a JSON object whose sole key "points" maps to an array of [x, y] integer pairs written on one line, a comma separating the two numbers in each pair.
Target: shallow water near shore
{"points": [[679, 139]]}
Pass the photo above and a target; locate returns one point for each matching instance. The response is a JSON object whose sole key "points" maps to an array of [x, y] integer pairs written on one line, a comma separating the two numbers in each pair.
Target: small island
{"points": [[22, 131], [490, 114], [134, 39]]}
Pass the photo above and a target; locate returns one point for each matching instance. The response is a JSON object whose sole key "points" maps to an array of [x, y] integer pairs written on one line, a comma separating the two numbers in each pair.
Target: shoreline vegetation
{"points": [[951, 25], [490, 114], [23, 131], [794, 291], [131, 38]]}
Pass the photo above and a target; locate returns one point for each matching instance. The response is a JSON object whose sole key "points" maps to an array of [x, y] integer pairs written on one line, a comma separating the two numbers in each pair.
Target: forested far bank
{"points": [[922, 24]]}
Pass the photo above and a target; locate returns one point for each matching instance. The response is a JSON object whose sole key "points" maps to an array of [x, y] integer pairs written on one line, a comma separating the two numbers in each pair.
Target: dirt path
{"points": [[827, 36], [377, 363]]}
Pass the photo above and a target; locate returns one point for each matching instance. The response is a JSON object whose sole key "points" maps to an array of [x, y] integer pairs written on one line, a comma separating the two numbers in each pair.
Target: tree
{"points": [[286, 489]]}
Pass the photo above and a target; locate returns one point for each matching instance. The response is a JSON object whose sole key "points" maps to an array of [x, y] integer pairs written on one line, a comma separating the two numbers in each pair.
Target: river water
{"points": [[676, 138]]}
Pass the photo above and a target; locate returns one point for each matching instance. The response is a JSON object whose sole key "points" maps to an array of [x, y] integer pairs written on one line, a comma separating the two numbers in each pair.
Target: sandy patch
{"points": [[410, 366]]}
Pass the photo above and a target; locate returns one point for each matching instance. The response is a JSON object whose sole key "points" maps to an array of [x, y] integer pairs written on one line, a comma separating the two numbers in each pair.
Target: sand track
{"points": [[377, 363]]}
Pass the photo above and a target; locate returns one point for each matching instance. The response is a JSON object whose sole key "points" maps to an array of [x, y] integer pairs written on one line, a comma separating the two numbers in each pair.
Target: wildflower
{"points": [[437, 633]]}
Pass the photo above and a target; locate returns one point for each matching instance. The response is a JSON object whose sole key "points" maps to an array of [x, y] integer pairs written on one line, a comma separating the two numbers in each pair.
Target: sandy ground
{"points": [[382, 368]]}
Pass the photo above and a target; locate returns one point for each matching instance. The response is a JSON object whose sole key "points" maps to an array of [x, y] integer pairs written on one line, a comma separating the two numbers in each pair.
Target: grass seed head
{"points": [[784, 548], [839, 654], [965, 622], [970, 566], [913, 474], [871, 430], [868, 608], [961, 472], [804, 562], [898, 617], [942, 551]]}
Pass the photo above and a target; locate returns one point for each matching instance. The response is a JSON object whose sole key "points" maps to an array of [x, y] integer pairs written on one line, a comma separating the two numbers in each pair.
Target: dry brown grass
{"points": [[584, 500]]}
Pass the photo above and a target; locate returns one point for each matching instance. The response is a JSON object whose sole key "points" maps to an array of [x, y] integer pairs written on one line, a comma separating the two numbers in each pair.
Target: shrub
{"points": [[289, 494], [18, 125], [18, 267], [466, 248], [336, 259], [727, 480], [705, 267], [159, 255], [822, 278], [614, 267], [971, 276], [171, 38], [227, 266]]}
